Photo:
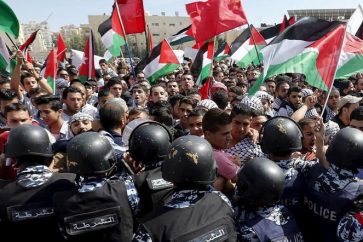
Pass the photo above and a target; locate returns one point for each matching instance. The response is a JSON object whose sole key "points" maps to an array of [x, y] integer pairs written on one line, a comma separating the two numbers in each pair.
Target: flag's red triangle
{"points": [[210, 54], [150, 40], [292, 20], [87, 68], [284, 24], [51, 67], [204, 89], [329, 53], [116, 22], [61, 49], [227, 49], [257, 37], [167, 54]]}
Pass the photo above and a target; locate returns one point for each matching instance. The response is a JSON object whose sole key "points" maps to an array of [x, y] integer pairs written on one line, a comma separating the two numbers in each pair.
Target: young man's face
{"points": [[282, 91], [139, 96], [309, 137], [220, 138], [258, 121], [187, 82], [334, 99], [158, 94], [80, 126], [74, 102], [16, 118], [295, 98], [116, 90], [49, 115], [30, 83], [184, 110], [195, 125], [172, 88], [240, 126]]}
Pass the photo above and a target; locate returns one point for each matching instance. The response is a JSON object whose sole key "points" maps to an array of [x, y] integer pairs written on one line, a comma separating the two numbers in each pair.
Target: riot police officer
{"points": [[148, 145], [26, 204], [97, 209], [194, 211], [258, 216], [333, 193], [281, 136]]}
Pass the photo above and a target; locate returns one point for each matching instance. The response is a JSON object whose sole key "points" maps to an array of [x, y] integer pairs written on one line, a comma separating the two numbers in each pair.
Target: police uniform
{"points": [[26, 204], [295, 170], [98, 210], [152, 188], [274, 223], [190, 215], [328, 198]]}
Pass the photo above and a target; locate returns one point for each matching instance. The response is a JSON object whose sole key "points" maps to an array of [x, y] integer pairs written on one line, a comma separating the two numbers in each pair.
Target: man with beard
{"points": [[79, 123]]}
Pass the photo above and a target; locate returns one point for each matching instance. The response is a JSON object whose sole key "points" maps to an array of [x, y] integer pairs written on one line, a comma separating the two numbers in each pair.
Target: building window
{"points": [[156, 34], [172, 25], [154, 24]]}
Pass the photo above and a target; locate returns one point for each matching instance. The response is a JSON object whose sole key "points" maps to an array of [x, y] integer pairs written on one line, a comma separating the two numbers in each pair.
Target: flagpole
{"points": [[126, 44], [147, 39], [12, 41], [254, 43], [335, 73]]}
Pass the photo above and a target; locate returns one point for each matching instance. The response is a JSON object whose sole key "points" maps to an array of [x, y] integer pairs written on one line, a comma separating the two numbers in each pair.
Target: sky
{"points": [[65, 12]]}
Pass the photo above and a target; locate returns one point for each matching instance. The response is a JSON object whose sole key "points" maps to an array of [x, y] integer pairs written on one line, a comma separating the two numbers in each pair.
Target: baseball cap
{"points": [[349, 99]]}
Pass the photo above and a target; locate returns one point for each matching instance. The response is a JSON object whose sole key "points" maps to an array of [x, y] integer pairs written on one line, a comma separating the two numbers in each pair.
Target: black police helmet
{"points": [[346, 149], [260, 182], [149, 143], [190, 160], [27, 140], [281, 135], [89, 154]]}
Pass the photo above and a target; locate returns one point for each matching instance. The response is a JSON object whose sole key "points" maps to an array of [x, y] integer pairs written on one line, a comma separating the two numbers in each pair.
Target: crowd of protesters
{"points": [[294, 145]]}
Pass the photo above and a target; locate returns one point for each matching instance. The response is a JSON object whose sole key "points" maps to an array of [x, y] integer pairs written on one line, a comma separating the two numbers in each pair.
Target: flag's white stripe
{"points": [[355, 21], [278, 53]]}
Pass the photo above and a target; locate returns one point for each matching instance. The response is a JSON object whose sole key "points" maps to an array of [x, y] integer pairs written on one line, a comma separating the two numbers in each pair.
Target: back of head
{"points": [[89, 154], [28, 140], [190, 161], [281, 135], [346, 149], [260, 182], [149, 143]]}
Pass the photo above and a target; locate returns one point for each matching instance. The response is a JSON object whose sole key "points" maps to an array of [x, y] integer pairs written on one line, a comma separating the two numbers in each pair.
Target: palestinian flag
{"points": [[222, 52], [181, 37], [29, 41], [351, 58], [61, 49], [162, 61], [202, 65], [87, 68], [51, 69], [4, 57], [112, 33], [310, 46], [243, 50]]}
